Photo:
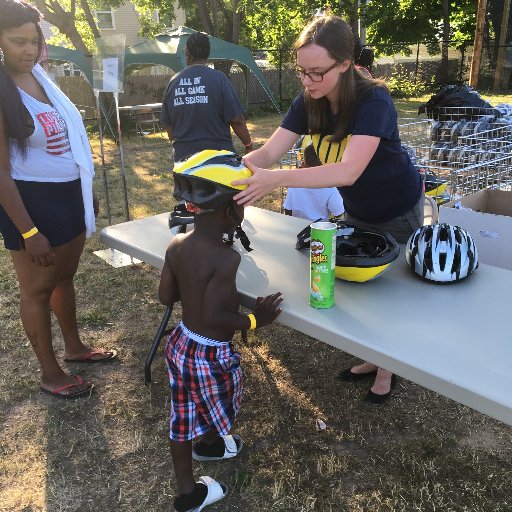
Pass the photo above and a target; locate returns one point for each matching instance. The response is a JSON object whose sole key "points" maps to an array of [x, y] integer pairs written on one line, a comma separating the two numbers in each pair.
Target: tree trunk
{"points": [[443, 70], [64, 21], [237, 22], [215, 18], [202, 9], [90, 19], [502, 50], [477, 46], [353, 18]]}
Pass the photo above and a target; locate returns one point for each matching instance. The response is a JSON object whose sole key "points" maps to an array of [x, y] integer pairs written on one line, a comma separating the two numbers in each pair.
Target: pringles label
{"points": [[322, 263]]}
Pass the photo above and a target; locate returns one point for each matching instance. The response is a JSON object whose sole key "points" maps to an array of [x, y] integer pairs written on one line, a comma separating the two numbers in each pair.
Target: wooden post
{"points": [[477, 45], [502, 50]]}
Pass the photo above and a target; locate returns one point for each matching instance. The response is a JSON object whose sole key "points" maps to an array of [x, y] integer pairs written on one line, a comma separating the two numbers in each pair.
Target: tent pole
{"points": [[246, 99], [100, 128], [121, 155]]}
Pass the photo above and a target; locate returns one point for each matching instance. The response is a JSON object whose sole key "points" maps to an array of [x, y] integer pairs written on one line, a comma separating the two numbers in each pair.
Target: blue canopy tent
{"points": [[167, 49], [84, 62]]}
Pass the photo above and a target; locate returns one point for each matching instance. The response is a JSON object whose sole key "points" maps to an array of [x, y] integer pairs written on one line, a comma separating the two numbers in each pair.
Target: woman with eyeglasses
{"points": [[353, 124]]}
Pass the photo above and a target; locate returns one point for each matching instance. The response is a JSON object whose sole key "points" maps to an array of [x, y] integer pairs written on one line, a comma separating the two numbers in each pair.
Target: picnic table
{"points": [[143, 116], [454, 339], [134, 108]]}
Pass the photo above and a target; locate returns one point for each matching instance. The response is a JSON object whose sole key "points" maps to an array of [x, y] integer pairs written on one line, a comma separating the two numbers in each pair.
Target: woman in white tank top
{"points": [[41, 204]]}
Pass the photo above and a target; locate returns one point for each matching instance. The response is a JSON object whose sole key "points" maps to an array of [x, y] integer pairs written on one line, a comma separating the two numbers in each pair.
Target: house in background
{"points": [[122, 20], [110, 22]]}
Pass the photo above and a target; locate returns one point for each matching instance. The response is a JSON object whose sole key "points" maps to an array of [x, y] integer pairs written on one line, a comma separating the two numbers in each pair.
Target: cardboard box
{"points": [[487, 216]]}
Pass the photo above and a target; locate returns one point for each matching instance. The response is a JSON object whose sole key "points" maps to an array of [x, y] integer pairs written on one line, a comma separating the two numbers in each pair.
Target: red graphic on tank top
{"points": [[57, 141]]}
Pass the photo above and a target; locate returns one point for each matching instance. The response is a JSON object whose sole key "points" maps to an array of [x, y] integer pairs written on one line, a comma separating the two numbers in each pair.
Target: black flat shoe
{"points": [[375, 399], [349, 376]]}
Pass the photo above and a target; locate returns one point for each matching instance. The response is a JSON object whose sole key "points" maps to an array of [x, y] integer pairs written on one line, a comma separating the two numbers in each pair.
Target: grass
{"points": [[421, 452]]}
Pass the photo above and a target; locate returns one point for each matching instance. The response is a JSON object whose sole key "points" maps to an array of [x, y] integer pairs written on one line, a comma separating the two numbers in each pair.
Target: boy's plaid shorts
{"points": [[206, 384]]}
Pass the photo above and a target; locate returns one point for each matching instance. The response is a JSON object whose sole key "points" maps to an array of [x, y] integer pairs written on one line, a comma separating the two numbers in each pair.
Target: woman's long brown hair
{"points": [[333, 34], [13, 14]]}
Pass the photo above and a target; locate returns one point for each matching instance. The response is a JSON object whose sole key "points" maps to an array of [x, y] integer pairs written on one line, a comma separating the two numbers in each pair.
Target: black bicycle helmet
{"points": [[361, 254], [434, 186], [180, 216]]}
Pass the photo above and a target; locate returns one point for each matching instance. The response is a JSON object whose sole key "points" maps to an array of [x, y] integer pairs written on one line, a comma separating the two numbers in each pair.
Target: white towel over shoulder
{"points": [[78, 140]]}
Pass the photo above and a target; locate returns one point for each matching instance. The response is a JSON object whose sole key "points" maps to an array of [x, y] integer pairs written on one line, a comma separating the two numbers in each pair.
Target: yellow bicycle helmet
{"points": [[205, 178], [361, 254], [434, 186]]}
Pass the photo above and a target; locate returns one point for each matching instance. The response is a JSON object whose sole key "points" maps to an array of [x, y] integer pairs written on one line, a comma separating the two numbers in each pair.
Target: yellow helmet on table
{"points": [[361, 254]]}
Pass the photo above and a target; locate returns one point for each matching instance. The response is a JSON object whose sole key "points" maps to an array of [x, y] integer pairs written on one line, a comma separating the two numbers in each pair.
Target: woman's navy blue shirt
{"points": [[390, 185]]}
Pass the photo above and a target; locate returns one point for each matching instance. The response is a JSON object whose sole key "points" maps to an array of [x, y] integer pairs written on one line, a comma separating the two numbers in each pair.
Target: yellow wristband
{"points": [[30, 232], [252, 319]]}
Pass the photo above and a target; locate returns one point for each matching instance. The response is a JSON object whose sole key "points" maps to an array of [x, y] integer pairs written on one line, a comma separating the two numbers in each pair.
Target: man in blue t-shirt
{"points": [[200, 105]]}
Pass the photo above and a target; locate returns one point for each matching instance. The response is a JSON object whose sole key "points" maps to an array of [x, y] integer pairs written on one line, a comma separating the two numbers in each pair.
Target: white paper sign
{"points": [[111, 74]]}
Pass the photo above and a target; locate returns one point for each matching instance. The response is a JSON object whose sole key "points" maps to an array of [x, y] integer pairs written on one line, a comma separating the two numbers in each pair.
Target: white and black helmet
{"points": [[442, 253]]}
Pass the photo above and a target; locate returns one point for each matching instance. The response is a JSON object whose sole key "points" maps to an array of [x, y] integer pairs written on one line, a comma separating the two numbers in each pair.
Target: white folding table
{"points": [[137, 111], [146, 106], [454, 339]]}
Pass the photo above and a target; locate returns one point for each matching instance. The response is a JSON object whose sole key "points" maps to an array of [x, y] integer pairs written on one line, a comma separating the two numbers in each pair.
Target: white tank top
{"points": [[49, 156]]}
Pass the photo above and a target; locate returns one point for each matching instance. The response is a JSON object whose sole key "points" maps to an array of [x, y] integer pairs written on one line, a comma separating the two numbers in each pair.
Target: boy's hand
{"points": [[267, 309]]}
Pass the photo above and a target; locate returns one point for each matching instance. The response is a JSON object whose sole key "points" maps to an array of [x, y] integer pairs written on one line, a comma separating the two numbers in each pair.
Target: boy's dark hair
{"points": [[363, 55], [310, 157], [13, 14], [198, 46]]}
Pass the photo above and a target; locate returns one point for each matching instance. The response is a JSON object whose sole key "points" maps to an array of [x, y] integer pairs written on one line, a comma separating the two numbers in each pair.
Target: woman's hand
{"points": [[259, 184], [40, 250]]}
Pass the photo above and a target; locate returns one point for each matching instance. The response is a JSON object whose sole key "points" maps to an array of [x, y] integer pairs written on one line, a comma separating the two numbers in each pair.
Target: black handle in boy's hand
{"points": [[267, 309]]}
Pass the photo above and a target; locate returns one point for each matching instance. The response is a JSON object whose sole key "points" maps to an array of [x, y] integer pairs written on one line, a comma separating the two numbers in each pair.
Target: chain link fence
{"points": [[420, 69], [422, 65]]}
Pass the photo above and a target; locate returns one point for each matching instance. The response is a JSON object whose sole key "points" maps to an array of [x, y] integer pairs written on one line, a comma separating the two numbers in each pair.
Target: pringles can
{"points": [[323, 261]]}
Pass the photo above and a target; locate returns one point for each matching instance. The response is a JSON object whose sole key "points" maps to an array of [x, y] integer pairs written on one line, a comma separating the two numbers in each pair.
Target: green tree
{"points": [[255, 23], [492, 31], [77, 26], [74, 19], [219, 18], [352, 11], [393, 25], [148, 26], [276, 23]]}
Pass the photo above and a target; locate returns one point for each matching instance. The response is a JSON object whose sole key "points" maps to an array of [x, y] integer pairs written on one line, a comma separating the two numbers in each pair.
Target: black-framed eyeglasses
{"points": [[314, 76]]}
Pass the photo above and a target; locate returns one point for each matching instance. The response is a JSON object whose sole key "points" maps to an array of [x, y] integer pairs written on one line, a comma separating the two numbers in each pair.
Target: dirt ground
{"points": [[109, 452]]}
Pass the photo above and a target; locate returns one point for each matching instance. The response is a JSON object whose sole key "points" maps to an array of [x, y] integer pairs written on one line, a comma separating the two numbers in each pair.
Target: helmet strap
{"points": [[228, 239], [180, 216], [239, 232]]}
